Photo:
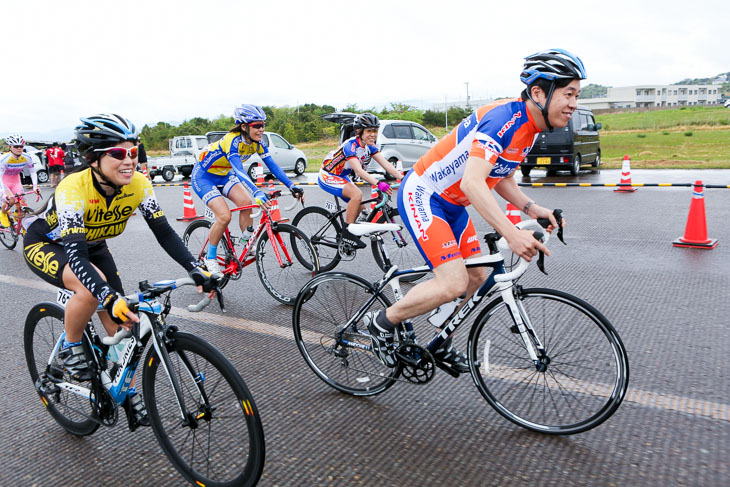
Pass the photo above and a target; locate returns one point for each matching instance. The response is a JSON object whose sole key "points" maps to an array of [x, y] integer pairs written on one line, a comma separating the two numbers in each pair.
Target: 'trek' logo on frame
{"points": [[509, 124]]}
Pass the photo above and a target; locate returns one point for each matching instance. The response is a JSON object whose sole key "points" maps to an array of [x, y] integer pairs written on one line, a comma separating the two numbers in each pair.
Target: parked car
{"points": [[397, 139], [40, 168], [288, 157], [569, 148]]}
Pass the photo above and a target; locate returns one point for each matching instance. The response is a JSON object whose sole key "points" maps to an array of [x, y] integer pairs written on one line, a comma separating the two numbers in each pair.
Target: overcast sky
{"points": [[160, 60]]}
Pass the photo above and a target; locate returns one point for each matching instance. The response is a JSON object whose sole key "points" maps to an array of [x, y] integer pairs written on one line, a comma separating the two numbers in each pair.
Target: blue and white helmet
{"points": [[104, 129], [248, 114], [552, 64], [14, 139]]}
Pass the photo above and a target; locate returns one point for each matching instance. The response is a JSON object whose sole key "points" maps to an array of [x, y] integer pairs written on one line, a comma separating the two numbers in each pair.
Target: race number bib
{"points": [[209, 214], [62, 296]]}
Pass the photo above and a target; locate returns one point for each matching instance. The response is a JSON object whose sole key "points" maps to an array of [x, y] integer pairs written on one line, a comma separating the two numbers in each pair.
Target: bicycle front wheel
{"points": [[195, 238], [280, 271], [401, 248], [8, 236], [325, 305], [220, 440], [582, 373], [323, 230], [43, 328]]}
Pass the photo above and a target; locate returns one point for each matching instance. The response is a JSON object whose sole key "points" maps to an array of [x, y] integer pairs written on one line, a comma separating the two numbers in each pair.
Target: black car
{"points": [[567, 148]]}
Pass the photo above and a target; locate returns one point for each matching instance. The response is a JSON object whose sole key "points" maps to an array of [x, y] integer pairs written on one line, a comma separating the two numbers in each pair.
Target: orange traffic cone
{"points": [[695, 233], [274, 210], [373, 194], [144, 171], [260, 175], [513, 214], [625, 177], [189, 213]]}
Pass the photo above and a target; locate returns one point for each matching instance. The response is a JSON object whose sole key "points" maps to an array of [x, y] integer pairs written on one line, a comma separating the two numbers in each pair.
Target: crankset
{"points": [[417, 364], [104, 406]]}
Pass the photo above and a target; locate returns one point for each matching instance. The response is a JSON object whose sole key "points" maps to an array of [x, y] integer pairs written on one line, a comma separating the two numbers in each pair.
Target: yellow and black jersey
{"points": [[80, 206]]}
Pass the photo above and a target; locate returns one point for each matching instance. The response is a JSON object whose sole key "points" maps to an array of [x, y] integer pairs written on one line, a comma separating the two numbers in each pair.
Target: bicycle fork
{"points": [[522, 326]]}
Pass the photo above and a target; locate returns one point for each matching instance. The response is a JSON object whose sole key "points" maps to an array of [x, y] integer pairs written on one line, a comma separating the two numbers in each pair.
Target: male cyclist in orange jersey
{"points": [[480, 154]]}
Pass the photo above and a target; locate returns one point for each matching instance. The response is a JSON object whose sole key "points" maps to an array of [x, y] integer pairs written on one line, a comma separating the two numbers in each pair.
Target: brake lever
{"points": [[219, 295], [541, 255]]}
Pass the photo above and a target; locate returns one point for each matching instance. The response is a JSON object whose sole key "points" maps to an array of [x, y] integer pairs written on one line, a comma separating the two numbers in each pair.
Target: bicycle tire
{"points": [[283, 282], [326, 303], [43, 327], [224, 406], [195, 238], [400, 246], [569, 396], [323, 230], [8, 236]]}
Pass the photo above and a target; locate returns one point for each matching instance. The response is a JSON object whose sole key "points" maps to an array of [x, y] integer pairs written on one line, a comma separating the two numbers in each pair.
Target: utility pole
{"points": [[467, 95], [446, 113]]}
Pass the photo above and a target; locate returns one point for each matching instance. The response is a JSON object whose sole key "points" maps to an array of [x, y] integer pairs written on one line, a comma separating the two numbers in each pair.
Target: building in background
{"points": [[656, 96]]}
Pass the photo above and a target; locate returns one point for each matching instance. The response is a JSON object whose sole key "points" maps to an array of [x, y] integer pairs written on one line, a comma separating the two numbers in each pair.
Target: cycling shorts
{"points": [[47, 258], [12, 184], [206, 184], [333, 183], [443, 231]]}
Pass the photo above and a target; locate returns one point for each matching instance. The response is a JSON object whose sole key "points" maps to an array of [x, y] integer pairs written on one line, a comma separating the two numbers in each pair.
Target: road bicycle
{"points": [[9, 235], [324, 227], [202, 414], [544, 359], [273, 246]]}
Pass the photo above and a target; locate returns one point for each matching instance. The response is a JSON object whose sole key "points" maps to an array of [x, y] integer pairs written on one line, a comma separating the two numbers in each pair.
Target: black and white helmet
{"points": [[104, 129], [552, 64], [366, 121], [14, 140]]}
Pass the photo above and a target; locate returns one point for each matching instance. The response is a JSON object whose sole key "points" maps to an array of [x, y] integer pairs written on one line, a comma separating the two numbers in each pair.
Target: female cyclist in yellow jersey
{"points": [[66, 245]]}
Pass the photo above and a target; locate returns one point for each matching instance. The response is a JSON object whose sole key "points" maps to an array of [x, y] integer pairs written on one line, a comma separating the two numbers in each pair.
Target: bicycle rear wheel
{"points": [[43, 327], [580, 379], [8, 236], [283, 275], [400, 246], [323, 230], [324, 306], [221, 440], [195, 238]]}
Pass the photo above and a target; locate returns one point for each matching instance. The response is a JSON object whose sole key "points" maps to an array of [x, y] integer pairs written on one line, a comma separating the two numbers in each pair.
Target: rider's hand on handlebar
{"points": [[297, 192], [385, 187], [524, 245], [261, 199], [537, 211], [204, 280], [119, 311]]}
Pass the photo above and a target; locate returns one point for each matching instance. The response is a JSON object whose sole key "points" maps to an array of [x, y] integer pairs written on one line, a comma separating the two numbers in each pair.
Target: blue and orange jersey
{"points": [[353, 148], [232, 150], [501, 133]]}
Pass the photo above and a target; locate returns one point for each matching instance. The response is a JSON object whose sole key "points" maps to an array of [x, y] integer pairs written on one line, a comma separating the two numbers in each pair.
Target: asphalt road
{"points": [[668, 304]]}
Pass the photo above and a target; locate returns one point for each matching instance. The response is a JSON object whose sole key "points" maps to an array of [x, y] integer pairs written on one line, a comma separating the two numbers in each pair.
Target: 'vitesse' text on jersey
{"points": [[80, 207]]}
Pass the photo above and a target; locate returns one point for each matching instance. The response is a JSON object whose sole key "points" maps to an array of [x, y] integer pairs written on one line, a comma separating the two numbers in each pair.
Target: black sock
{"points": [[383, 322]]}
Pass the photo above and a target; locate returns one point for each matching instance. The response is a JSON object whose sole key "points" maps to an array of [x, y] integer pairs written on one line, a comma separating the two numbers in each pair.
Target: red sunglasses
{"points": [[257, 125], [120, 153]]}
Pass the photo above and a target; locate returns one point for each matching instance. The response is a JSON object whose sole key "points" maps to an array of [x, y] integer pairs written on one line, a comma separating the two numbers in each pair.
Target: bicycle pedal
{"points": [[447, 368]]}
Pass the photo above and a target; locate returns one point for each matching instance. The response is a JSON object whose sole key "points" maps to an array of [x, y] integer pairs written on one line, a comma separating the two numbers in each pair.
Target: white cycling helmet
{"points": [[14, 140]]}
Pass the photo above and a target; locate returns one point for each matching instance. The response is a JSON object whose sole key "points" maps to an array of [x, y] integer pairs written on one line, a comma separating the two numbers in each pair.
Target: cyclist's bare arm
{"points": [[389, 168], [474, 186], [508, 189], [362, 173]]}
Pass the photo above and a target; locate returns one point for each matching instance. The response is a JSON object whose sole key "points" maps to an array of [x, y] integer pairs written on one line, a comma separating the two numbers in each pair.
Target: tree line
{"points": [[296, 124]]}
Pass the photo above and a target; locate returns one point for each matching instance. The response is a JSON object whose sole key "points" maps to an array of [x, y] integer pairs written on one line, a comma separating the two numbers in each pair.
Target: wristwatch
{"points": [[527, 206]]}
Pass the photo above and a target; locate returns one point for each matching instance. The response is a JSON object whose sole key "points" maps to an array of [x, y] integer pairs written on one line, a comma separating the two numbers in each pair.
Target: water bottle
{"points": [[440, 315], [116, 352]]}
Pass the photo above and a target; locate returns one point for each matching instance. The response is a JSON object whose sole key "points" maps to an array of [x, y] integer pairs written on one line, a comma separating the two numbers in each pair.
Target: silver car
{"points": [[288, 157], [398, 140]]}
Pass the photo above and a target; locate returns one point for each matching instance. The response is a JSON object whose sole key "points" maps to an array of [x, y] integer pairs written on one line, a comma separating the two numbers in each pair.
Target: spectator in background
{"points": [[142, 160], [68, 160], [55, 163]]}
